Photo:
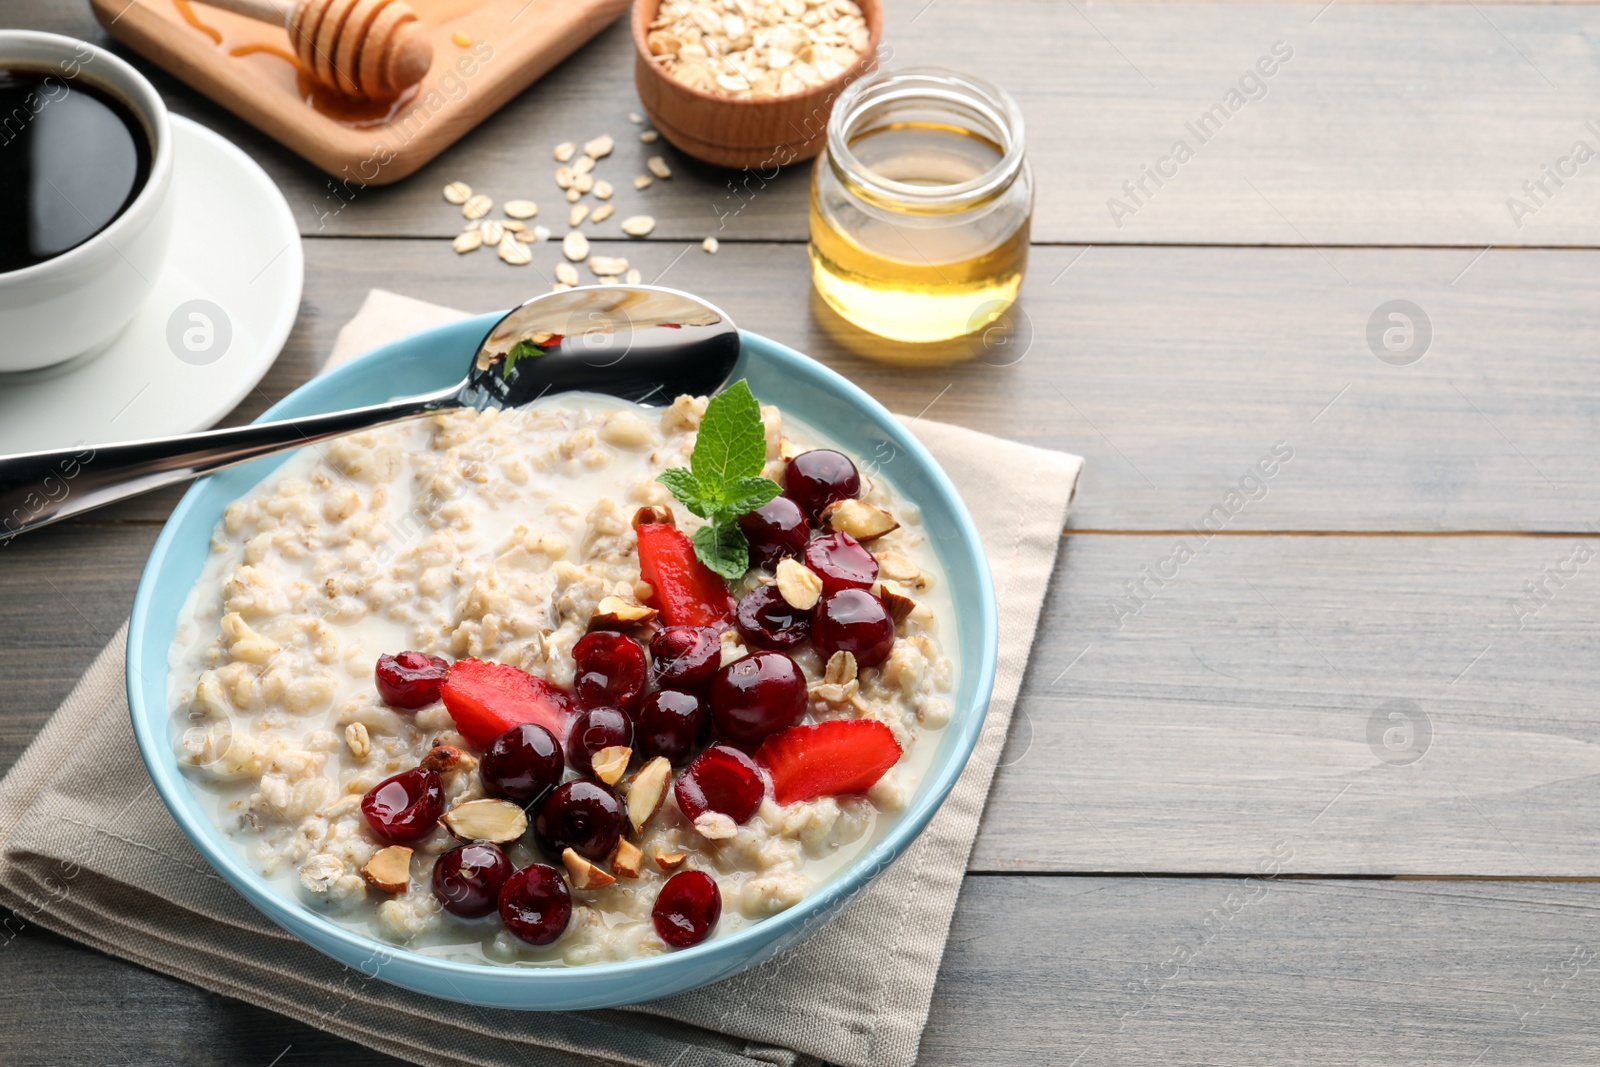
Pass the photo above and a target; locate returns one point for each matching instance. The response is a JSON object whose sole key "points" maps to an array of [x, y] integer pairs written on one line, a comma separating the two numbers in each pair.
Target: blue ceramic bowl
{"points": [[432, 360]]}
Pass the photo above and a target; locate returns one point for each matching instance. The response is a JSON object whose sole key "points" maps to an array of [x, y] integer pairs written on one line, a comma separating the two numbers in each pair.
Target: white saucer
{"points": [[234, 246]]}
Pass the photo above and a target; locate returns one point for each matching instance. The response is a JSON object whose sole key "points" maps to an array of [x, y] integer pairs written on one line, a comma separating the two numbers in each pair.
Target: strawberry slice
{"points": [[828, 758], [487, 699], [687, 592]]}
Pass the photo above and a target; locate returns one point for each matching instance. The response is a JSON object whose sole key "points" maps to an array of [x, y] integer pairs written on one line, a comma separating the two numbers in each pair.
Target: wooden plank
{"points": [[1391, 124], [1246, 709], [1173, 371], [1114, 971]]}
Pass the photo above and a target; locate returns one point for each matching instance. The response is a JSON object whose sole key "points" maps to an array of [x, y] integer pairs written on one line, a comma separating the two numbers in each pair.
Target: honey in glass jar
{"points": [[920, 205]]}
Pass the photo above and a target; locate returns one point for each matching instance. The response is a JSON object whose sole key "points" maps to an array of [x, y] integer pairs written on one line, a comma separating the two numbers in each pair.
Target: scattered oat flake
{"points": [[469, 241], [575, 246], [458, 192], [514, 253], [461, 39], [565, 151], [635, 118], [583, 183], [560, 287], [564, 177], [633, 277], [650, 137], [578, 213], [600, 147], [583, 165], [567, 273], [477, 207], [602, 213], [573, 196], [513, 226], [521, 209], [658, 167], [638, 225], [642, 181], [609, 279], [607, 265], [602, 189], [711, 244], [493, 232]]}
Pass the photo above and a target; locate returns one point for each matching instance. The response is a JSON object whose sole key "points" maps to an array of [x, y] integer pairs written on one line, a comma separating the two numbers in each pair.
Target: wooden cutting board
{"points": [[247, 67]]}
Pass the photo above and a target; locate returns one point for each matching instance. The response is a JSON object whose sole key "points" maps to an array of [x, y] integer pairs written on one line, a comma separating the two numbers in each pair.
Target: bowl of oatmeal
{"points": [[470, 695]]}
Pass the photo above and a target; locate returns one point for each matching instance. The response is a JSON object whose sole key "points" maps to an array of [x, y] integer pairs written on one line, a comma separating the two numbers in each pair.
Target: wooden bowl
{"points": [[771, 132]]}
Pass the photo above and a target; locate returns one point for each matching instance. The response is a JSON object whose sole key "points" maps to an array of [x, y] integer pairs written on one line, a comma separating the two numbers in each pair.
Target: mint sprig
{"points": [[723, 479]]}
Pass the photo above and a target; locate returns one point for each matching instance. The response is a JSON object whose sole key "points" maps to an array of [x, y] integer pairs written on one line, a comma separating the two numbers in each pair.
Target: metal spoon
{"points": [[637, 342]]}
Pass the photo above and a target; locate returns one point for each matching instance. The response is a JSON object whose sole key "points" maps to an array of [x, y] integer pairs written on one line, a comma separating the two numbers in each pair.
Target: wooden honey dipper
{"points": [[367, 49]]}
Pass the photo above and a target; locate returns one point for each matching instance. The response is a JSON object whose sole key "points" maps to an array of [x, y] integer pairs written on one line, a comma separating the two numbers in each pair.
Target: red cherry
{"points": [[410, 680], [757, 695], [776, 529], [611, 670], [685, 657], [535, 904], [841, 562], [721, 779], [854, 621], [406, 806], [467, 880], [687, 908], [582, 815], [671, 724], [766, 619], [522, 764], [817, 478], [593, 730]]}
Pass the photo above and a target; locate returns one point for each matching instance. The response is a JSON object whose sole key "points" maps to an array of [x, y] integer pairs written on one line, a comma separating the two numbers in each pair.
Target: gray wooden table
{"points": [[1186, 725]]}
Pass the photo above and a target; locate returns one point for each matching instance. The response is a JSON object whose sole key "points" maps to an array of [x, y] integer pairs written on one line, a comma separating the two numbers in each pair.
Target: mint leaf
{"points": [[722, 547], [747, 494], [518, 351], [686, 487], [732, 443]]}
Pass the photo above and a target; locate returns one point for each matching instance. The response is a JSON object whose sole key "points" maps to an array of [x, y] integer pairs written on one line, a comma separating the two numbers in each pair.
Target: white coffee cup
{"points": [[79, 301]]}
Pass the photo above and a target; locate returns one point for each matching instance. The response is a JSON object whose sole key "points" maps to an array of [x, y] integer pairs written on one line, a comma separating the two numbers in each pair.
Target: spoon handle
{"points": [[37, 488]]}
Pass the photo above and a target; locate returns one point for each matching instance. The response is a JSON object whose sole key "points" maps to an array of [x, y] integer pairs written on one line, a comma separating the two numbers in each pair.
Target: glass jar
{"points": [[920, 204]]}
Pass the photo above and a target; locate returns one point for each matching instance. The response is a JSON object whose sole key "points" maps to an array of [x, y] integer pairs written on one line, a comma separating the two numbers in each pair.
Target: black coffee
{"points": [[72, 158]]}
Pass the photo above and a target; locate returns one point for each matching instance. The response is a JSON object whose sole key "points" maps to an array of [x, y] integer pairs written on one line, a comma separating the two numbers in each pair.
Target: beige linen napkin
{"points": [[88, 850]]}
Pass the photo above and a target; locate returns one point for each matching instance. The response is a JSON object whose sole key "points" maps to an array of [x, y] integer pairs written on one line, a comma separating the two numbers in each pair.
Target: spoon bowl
{"points": [[636, 342]]}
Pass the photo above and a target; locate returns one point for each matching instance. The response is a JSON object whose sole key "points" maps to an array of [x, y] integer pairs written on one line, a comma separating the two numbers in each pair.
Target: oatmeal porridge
{"points": [[493, 687]]}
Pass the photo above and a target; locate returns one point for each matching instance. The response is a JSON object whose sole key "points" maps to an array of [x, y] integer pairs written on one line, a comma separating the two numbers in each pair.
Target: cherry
{"points": [[522, 764], [593, 730], [757, 695], [611, 670], [766, 619], [685, 657], [671, 723], [841, 562], [817, 478], [854, 621], [406, 806], [410, 680], [582, 815], [687, 908], [535, 904], [776, 529], [467, 880], [721, 779]]}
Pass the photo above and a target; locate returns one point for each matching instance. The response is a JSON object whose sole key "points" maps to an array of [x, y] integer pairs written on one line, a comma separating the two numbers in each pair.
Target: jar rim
{"points": [[931, 83]]}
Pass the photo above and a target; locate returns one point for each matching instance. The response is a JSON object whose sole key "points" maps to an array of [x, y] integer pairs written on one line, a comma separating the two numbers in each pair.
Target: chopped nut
{"points": [[899, 607], [711, 244], [389, 869], [658, 166], [602, 212], [614, 611], [648, 791], [669, 860], [652, 515], [567, 274], [458, 192], [441, 758], [357, 740], [477, 207], [578, 213], [799, 585], [584, 875], [894, 565], [841, 668], [638, 225], [787, 449], [600, 147], [497, 821], [611, 763], [575, 246], [521, 209], [565, 151], [602, 189], [642, 181], [607, 266], [626, 859], [715, 826], [861, 521]]}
